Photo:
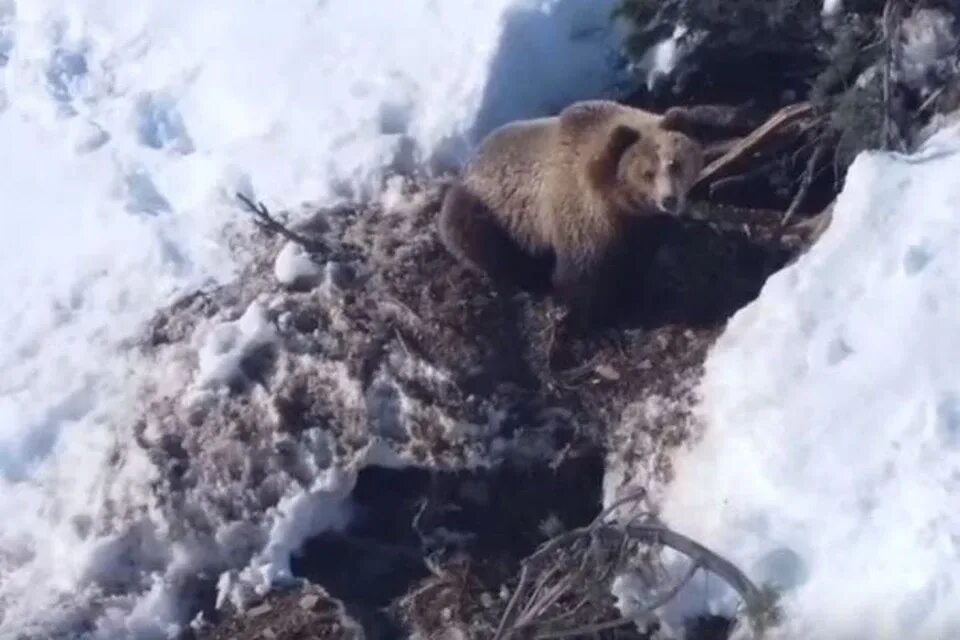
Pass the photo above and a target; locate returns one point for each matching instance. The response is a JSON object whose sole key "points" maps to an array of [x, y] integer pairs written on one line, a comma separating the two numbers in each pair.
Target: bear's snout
{"points": [[670, 204]]}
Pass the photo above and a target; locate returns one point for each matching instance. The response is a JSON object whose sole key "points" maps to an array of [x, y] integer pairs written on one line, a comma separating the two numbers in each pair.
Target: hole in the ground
{"points": [[498, 516]]}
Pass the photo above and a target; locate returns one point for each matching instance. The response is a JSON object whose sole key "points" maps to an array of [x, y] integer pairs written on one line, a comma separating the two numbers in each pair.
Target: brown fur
{"points": [[559, 193]]}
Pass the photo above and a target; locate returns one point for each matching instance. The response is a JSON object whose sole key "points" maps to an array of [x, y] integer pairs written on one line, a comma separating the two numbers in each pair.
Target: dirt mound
{"points": [[389, 354]]}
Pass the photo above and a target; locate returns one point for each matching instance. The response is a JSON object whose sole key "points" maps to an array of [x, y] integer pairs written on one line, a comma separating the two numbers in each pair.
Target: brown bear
{"points": [[551, 201]]}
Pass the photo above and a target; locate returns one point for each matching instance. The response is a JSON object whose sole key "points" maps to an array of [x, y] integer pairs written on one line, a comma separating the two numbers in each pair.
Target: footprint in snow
{"points": [[160, 126], [65, 74], [142, 195]]}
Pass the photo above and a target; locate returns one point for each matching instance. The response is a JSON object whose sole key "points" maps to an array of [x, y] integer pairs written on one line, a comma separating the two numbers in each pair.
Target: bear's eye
{"points": [[673, 167]]}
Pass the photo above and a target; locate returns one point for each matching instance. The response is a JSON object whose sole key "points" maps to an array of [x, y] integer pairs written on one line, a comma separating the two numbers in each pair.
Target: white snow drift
{"points": [[830, 462], [127, 127]]}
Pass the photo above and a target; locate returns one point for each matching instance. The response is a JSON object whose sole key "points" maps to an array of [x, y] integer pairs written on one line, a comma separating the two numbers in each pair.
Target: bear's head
{"points": [[656, 169]]}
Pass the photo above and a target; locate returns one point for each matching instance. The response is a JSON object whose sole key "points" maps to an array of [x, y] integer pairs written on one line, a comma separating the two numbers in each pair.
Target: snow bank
{"points": [[830, 462], [128, 127]]}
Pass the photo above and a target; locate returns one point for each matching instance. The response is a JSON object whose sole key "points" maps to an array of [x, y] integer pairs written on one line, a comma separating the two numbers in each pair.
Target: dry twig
{"points": [[584, 560], [268, 223], [805, 182]]}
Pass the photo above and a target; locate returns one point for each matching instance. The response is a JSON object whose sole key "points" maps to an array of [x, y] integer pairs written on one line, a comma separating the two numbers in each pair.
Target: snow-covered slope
{"points": [[830, 464], [126, 127]]}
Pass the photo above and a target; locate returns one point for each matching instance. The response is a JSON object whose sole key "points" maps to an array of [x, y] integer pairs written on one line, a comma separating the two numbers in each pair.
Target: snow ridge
{"points": [[830, 460]]}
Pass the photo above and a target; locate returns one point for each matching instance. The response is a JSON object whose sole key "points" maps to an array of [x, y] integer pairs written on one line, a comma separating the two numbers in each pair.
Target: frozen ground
{"points": [[830, 463], [127, 127]]}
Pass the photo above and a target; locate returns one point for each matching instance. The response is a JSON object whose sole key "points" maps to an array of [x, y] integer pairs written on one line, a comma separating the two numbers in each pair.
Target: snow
{"points": [[325, 507], [635, 597], [294, 266], [832, 8], [661, 59], [222, 349], [930, 42], [830, 461], [129, 127]]}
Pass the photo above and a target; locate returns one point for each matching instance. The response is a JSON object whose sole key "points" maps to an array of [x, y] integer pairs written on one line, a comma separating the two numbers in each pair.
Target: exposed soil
{"points": [[432, 545]]}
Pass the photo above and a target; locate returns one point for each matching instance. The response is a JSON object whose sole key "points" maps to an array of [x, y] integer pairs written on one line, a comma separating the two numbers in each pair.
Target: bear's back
{"points": [[507, 174], [518, 146]]}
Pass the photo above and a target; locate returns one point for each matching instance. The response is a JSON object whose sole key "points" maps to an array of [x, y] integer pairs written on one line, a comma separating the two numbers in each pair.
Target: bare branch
{"points": [[719, 148], [790, 121], [716, 564], [932, 98], [805, 183], [632, 497], [268, 223], [563, 617], [584, 630], [576, 567], [545, 599], [512, 605]]}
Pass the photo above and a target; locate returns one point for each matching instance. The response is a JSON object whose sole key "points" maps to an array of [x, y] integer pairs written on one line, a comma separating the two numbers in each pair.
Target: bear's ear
{"points": [[675, 119], [603, 169], [621, 138]]}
